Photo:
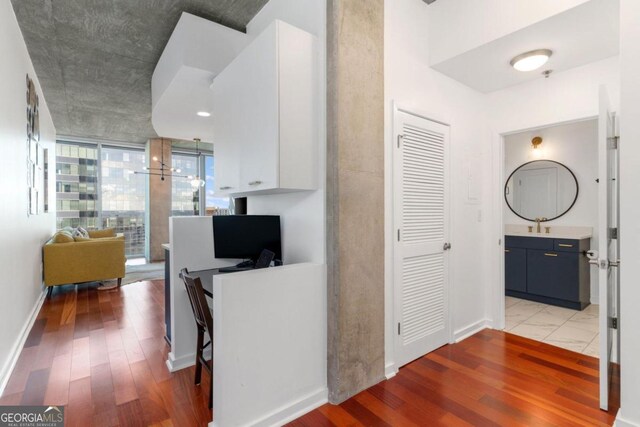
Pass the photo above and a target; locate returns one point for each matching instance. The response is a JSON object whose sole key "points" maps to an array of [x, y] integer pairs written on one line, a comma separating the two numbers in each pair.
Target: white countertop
{"points": [[556, 232]]}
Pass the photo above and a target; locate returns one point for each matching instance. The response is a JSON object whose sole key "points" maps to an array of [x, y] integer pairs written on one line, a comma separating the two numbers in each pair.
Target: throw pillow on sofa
{"points": [[62, 237], [80, 232]]}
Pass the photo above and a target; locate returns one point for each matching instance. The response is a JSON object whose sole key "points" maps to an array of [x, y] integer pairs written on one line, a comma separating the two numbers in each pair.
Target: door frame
{"points": [[391, 316], [496, 293]]}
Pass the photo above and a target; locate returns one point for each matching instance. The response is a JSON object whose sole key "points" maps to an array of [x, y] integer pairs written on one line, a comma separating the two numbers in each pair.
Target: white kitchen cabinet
{"points": [[265, 115]]}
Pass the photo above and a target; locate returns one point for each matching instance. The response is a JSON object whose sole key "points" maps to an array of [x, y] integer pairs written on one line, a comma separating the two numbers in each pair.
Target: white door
{"points": [[420, 188], [608, 276]]}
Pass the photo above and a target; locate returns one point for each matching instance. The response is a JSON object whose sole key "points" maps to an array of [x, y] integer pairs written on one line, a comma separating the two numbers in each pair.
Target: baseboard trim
{"points": [[469, 330], [621, 422], [390, 370], [290, 411], [175, 364], [9, 366]]}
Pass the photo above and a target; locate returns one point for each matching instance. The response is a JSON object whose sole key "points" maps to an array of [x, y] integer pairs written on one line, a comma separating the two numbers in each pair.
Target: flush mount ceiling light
{"points": [[204, 114], [530, 61]]}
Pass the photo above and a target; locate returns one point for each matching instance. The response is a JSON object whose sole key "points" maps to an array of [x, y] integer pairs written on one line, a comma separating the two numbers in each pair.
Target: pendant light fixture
{"points": [[197, 182], [164, 170]]}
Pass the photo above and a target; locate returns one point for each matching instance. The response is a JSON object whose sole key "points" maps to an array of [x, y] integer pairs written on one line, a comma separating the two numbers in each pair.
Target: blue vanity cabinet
{"points": [[515, 263], [552, 271]]}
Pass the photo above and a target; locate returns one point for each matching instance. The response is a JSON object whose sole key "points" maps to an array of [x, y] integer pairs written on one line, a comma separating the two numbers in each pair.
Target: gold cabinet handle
{"points": [[507, 250], [548, 254], [564, 245]]}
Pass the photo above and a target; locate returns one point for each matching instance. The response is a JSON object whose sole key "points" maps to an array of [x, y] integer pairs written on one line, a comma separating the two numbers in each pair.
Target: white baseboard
{"points": [[390, 370], [469, 330], [290, 411], [14, 354], [175, 364], [621, 422]]}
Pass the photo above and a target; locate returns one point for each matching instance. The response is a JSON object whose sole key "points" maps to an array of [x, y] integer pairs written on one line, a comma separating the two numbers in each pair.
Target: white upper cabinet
{"points": [[265, 115]]}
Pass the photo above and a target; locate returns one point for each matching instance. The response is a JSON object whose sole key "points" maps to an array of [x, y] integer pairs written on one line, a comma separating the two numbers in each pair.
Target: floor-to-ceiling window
{"points": [[96, 188], [185, 199], [77, 185], [123, 195], [214, 205]]}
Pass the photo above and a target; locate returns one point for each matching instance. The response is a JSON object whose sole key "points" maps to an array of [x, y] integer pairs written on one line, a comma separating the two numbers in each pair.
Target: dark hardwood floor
{"points": [[102, 355], [490, 379]]}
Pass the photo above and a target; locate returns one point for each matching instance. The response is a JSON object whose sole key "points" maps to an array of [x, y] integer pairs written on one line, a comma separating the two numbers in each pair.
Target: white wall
{"points": [[270, 345], [191, 240], [22, 236], [629, 414], [303, 214], [566, 96], [415, 87], [479, 22], [576, 146]]}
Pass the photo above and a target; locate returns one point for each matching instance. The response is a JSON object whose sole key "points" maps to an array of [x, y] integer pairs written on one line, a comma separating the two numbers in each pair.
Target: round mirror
{"points": [[541, 189]]}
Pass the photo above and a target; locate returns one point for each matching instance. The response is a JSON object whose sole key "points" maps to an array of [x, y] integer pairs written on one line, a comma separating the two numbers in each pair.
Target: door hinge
{"points": [[613, 232], [446, 246], [613, 322], [398, 328], [613, 141], [400, 139]]}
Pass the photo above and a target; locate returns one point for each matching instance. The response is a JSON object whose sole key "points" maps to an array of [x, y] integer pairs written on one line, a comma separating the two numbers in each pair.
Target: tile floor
{"points": [[562, 327]]}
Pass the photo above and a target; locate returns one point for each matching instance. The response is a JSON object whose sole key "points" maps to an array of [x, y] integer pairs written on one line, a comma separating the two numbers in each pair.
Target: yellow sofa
{"points": [[68, 260]]}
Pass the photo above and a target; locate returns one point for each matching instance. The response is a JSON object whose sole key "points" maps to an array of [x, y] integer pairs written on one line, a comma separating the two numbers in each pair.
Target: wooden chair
{"points": [[204, 323]]}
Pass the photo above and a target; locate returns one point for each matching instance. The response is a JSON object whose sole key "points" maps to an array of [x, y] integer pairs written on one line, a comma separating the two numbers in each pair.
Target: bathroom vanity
{"points": [[548, 269], [545, 262]]}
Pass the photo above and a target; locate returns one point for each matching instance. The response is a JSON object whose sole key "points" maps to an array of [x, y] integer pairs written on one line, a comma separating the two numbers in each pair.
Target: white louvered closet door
{"points": [[421, 235]]}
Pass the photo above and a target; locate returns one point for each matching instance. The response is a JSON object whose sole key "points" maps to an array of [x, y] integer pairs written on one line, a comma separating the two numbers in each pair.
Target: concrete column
{"points": [[355, 195], [159, 200]]}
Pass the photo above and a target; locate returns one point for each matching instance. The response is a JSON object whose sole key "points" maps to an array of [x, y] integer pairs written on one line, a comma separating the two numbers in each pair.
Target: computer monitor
{"points": [[245, 236]]}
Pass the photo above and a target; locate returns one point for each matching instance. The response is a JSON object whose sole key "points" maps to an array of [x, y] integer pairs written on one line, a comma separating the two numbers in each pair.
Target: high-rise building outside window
{"points": [[76, 185], [185, 200], [123, 195], [96, 188]]}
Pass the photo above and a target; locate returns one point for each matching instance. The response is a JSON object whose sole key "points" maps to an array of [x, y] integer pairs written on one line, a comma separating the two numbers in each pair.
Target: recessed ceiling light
{"points": [[204, 113], [530, 61]]}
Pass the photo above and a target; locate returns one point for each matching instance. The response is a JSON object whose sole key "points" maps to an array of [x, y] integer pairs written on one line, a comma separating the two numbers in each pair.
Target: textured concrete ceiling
{"points": [[95, 58]]}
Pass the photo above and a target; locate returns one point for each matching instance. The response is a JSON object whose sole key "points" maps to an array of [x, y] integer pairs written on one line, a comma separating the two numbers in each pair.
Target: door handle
{"points": [[446, 246], [564, 245], [548, 254], [255, 183], [226, 188]]}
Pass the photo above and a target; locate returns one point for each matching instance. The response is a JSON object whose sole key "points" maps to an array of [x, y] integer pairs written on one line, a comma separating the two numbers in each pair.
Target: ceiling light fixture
{"points": [[163, 171], [532, 60], [204, 114]]}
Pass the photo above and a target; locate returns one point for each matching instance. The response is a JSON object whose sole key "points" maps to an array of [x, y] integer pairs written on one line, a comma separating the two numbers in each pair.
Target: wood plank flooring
{"points": [[102, 354], [490, 379]]}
